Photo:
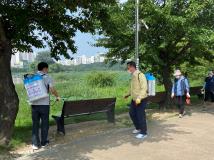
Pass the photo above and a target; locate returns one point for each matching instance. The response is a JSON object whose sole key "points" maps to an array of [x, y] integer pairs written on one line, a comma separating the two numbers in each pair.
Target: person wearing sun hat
{"points": [[180, 90]]}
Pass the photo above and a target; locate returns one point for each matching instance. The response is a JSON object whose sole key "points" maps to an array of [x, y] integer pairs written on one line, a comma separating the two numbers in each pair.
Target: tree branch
{"points": [[181, 53]]}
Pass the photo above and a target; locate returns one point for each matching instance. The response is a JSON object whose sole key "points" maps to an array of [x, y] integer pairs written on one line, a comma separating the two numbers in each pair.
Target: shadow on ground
{"points": [[78, 149], [80, 142]]}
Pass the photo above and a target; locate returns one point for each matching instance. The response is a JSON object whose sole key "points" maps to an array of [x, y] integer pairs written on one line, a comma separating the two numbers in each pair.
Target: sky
{"points": [[84, 43]]}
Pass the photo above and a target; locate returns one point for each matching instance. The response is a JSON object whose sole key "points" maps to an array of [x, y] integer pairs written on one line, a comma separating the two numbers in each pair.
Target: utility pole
{"points": [[137, 28]]}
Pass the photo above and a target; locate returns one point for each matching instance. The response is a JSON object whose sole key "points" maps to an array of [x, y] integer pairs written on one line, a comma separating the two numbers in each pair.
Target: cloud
{"points": [[123, 1]]}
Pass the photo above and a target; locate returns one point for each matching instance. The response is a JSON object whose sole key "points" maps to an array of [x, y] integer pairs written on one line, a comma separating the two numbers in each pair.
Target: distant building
{"points": [[78, 60], [20, 58], [29, 57], [84, 60], [91, 60], [100, 57]]}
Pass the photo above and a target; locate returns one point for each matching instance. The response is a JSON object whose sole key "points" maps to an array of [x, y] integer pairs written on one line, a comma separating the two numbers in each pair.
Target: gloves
{"points": [[138, 101], [188, 95], [172, 95]]}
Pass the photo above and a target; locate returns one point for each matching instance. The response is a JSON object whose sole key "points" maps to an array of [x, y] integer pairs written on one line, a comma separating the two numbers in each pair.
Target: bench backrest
{"points": [[195, 90], [87, 106], [160, 96]]}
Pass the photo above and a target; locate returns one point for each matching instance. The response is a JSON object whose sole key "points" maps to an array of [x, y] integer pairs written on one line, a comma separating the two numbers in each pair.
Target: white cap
{"points": [[177, 73]]}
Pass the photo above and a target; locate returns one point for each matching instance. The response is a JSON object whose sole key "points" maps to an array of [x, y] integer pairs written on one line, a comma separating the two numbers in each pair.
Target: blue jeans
{"points": [[40, 112], [138, 115]]}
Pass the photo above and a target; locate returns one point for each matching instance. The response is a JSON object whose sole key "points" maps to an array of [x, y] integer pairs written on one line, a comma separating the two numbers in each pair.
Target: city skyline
{"points": [[20, 59], [83, 59]]}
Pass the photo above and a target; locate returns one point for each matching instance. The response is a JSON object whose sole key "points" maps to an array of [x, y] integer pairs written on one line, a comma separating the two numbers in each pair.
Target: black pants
{"points": [[209, 95], [180, 102], [40, 112], [138, 115]]}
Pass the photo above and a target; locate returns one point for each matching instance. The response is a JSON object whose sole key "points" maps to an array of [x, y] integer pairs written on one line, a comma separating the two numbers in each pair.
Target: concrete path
{"points": [[189, 138]]}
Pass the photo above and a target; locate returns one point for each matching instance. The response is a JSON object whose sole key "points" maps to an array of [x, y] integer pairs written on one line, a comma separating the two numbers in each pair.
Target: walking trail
{"points": [[170, 138]]}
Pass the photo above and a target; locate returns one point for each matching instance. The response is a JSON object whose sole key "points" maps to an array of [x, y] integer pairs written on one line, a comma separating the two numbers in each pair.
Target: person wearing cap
{"points": [[180, 90], [209, 87], [138, 93]]}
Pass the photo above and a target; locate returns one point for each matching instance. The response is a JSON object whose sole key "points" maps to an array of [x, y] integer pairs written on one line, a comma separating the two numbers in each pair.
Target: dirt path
{"points": [[189, 138]]}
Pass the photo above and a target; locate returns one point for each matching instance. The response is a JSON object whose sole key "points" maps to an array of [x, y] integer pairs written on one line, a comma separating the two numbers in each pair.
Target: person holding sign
{"points": [[138, 93], [41, 108]]}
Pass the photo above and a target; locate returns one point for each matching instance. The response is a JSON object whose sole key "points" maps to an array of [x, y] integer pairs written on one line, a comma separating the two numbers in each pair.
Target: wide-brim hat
{"points": [[210, 73], [177, 73]]}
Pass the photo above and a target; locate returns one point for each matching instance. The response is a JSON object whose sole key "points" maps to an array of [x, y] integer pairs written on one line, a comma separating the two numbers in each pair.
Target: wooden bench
{"points": [[196, 91], [158, 98], [85, 107], [161, 96]]}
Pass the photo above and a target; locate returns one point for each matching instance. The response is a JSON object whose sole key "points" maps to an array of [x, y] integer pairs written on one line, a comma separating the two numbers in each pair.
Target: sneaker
{"points": [[34, 147], [180, 115], [136, 131], [141, 136], [184, 113], [47, 144]]}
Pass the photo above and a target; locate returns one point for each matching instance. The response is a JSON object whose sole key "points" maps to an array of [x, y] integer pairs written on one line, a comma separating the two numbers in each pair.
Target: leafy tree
{"points": [[28, 23], [179, 31], [45, 56]]}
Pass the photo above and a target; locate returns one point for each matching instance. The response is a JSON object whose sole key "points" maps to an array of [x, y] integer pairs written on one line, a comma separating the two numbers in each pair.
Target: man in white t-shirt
{"points": [[41, 109]]}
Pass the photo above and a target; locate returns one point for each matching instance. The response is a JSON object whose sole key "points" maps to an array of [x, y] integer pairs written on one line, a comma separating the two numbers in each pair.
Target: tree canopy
{"points": [[25, 24], [53, 23], [179, 31]]}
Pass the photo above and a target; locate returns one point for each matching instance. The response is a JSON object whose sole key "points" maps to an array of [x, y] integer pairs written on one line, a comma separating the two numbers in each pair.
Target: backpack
{"points": [[35, 87], [150, 83]]}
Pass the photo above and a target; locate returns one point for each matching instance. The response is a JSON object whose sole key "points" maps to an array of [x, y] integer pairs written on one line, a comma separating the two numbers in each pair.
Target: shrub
{"points": [[101, 79]]}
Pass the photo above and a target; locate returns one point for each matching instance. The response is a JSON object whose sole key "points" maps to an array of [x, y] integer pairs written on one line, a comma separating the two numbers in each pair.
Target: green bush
{"points": [[101, 79]]}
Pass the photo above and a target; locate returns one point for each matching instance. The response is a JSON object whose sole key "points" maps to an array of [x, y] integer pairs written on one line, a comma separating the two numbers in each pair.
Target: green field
{"points": [[73, 86]]}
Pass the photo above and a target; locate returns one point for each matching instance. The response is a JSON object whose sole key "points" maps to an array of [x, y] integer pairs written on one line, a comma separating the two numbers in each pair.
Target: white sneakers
{"points": [[141, 136], [35, 147], [181, 115], [136, 131], [47, 144]]}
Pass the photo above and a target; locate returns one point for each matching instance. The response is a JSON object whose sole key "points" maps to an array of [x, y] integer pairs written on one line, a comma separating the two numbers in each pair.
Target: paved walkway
{"points": [[189, 138]]}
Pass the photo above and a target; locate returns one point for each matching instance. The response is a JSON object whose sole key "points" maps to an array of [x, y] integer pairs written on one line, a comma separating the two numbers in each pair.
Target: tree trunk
{"points": [[166, 74], [9, 101]]}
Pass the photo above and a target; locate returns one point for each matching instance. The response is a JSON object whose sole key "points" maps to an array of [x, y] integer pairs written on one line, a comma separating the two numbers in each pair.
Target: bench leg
{"points": [[111, 116], [60, 124]]}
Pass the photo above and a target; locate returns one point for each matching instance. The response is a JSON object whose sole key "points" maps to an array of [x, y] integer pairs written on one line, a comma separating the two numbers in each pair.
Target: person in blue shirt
{"points": [[209, 87], [180, 90]]}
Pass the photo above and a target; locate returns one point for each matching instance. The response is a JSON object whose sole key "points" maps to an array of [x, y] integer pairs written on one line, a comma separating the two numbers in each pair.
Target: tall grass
{"points": [[72, 86]]}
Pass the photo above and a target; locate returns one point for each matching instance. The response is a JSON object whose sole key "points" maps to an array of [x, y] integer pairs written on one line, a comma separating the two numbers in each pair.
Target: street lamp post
{"points": [[137, 27]]}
